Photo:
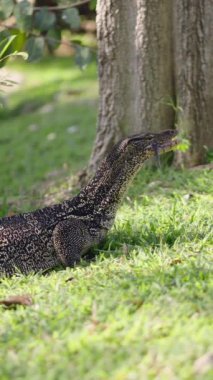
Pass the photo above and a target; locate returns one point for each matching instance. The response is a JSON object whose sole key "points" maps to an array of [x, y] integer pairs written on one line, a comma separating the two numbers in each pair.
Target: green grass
{"points": [[34, 144], [143, 308]]}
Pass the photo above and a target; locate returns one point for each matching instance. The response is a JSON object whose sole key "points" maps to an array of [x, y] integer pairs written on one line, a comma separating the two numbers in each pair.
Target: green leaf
{"points": [[7, 49], [23, 15], [26, 8], [35, 48], [183, 145], [22, 54], [71, 17], [53, 38], [15, 54], [11, 41], [83, 56], [7, 7], [5, 44], [19, 41], [4, 34], [76, 41], [92, 4], [44, 20], [2, 17]]}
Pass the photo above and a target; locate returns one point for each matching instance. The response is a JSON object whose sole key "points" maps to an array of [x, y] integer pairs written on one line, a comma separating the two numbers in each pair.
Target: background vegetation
{"points": [[142, 309]]}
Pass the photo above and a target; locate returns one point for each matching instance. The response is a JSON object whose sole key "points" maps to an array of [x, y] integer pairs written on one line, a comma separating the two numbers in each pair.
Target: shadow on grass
{"points": [[59, 75], [32, 99]]}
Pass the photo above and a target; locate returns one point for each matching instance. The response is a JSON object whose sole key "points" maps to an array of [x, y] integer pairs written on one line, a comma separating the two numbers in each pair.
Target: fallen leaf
{"points": [[13, 301], [175, 261], [125, 249], [51, 136], [33, 127], [138, 302], [72, 129], [69, 279], [154, 184], [187, 197], [47, 108]]}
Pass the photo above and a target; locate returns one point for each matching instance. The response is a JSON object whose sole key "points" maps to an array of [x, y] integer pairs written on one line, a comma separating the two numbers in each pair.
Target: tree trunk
{"points": [[155, 58], [193, 31], [135, 70]]}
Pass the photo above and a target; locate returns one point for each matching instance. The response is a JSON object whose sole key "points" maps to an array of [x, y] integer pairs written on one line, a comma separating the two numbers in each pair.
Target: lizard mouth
{"points": [[170, 144], [165, 146]]}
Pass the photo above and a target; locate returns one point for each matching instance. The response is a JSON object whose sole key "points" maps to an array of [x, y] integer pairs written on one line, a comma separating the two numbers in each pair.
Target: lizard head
{"points": [[144, 146], [123, 162]]}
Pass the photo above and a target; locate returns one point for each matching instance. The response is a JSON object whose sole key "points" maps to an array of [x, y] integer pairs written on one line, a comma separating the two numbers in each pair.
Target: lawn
{"points": [[143, 308]]}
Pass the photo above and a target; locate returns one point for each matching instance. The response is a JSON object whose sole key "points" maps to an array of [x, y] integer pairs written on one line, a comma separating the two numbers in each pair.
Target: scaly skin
{"points": [[62, 233]]}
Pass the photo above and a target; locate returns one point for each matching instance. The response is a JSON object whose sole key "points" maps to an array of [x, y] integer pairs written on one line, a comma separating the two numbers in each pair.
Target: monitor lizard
{"points": [[62, 233]]}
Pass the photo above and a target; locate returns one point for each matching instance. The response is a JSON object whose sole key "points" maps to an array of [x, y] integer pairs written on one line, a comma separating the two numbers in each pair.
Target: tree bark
{"points": [[135, 70], [155, 69], [193, 31]]}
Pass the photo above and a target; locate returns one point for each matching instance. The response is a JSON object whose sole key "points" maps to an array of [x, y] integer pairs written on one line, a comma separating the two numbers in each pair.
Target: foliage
{"points": [[5, 48], [39, 28], [142, 309], [93, 4], [9, 46]]}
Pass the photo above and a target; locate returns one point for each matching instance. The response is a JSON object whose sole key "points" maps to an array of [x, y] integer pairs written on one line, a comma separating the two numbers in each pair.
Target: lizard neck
{"points": [[107, 188]]}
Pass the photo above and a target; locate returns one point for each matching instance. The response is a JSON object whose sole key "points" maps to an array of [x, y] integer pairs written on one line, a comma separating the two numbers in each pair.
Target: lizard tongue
{"points": [[157, 155]]}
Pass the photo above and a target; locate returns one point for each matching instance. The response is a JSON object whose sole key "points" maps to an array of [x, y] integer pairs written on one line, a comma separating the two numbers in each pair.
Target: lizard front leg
{"points": [[71, 240]]}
